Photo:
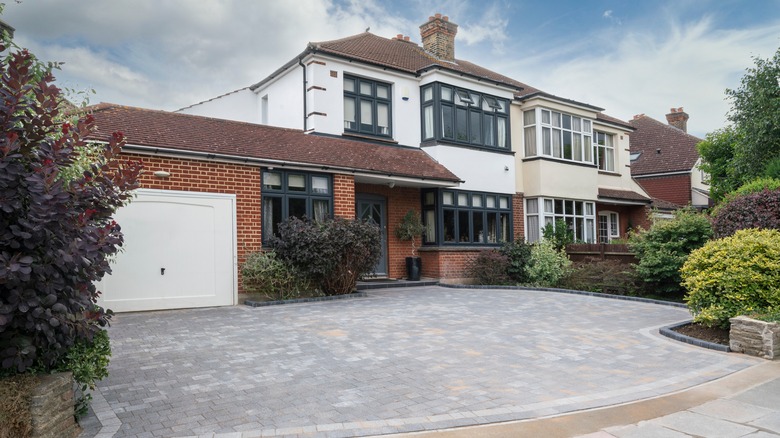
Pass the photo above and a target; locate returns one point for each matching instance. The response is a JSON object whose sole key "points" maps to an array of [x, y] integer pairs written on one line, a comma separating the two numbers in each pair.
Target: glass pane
{"points": [[556, 120], [490, 130], [589, 208], [428, 122], [349, 85], [532, 206], [429, 198], [548, 206], [579, 232], [546, 141], [569, 207], [449, 225], [556, 137], [463, 200], [475, 120], [448, 130], [530, 141], [589, 231], [529, 117], [577, 147], [448, 198], [501, 132], [296, 207], [490, 202], [366, 116], [575, 124], [272, 180], [545, 117], [492, 229], [610, 159], [588, 150], [566, 121], [383, 119], [365, 88], [319, 184], [505, 235], [296, 183], [349, 113], [558, 206], [533, 228], [446, 94], [272, 216], [427, 94], [567, 145], [382, 91], [461, 125], [321, 209], [477, 224], [463, 226], [476, 200], [430, 226], [613, 225], [586, 126], [578, 208], [503, 202], [462, 98]]}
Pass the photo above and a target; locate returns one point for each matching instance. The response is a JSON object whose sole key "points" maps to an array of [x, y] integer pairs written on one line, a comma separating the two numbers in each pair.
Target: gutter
{"points": [[305, 81]]}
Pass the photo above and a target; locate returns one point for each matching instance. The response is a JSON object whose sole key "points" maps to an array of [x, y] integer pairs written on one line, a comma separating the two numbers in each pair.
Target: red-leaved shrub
{"points": [[756, 210]]}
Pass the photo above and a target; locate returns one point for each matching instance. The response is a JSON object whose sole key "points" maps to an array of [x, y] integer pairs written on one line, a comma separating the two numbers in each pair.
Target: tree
{"points": [[743, 151], [56, 233]]}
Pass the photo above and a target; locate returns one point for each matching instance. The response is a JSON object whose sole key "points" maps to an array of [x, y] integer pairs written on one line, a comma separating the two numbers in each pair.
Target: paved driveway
{"points": [[399, 360]]}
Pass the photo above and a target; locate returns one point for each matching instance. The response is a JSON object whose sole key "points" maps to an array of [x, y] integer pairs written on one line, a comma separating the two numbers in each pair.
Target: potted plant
{"points": [[409, 228]]}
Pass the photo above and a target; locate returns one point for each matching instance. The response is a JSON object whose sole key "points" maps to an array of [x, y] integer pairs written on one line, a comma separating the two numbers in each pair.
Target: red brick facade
{"points": [[630, 217], [675, 188], [518, 216]]}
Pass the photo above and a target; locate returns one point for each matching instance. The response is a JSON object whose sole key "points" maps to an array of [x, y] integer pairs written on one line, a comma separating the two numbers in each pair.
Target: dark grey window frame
{"points": [[463, 232], [374, 100], [309, 195]]}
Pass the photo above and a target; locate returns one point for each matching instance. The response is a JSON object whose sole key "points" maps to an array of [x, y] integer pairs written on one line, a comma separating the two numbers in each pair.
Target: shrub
{"points": [[757, 186], [88, 361], [56, 233], [605, 276], [518, 255], [753, 210], [559, 234], [331, 253], [663, 249], [490, 267], [733, 276], [264, 273], [547, 265]]}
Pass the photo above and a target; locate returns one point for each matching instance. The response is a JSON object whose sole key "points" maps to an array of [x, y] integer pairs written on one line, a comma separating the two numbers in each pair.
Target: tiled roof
{"points": [[609, 119], [677, 148], [626, 195], [189, 133], [665, 205]]}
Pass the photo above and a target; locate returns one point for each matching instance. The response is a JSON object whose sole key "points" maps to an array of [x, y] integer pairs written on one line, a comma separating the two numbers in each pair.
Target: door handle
{"points": [[162, 271]]}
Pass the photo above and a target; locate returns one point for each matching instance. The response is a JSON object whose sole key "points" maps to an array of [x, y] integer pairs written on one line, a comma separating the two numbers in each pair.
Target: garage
{"points": [[179, 252]]}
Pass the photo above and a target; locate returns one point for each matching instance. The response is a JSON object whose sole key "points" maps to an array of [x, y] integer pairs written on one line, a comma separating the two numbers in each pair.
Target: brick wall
{"points": [[632, 216], [212, 177], [448, 264], [51, 407], [399, 201], [518, 217], [675, 188], [344, 196]]}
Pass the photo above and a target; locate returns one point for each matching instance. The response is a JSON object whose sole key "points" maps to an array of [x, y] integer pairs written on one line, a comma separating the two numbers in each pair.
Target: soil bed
{"points": [[710, 334]]}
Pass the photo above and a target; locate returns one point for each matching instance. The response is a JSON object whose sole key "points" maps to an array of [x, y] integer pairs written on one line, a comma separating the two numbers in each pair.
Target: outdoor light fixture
{"points": [[162, 174], [391, 184]]}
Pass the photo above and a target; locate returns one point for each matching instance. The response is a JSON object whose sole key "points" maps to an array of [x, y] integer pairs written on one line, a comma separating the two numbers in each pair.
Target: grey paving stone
{"points": [[770, 421], [702, 425], [645, 430], [732, 410], [399, 356]]}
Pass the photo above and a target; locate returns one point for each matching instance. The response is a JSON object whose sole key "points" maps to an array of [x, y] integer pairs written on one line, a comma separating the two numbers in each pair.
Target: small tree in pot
{"points": [[410, 228]]}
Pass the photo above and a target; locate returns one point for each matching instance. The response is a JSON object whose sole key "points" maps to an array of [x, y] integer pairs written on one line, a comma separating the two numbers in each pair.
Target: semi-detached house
{"points": [[371, 127]]}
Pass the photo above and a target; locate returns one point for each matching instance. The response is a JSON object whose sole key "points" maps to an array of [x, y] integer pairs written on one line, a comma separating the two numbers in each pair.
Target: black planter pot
{"points": [[413, 268]]}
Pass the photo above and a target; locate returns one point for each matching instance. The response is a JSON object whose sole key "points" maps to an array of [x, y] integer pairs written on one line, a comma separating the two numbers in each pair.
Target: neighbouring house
{"points": [[366, 127], [665, 161]]}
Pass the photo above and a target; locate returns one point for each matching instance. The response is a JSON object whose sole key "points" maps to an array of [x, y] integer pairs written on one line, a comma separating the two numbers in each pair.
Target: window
{"points": [[454, 217], [604, 151], [579, 216], [609, 227], [558, 135], [367, 106], [292, 193], [463, 116]]}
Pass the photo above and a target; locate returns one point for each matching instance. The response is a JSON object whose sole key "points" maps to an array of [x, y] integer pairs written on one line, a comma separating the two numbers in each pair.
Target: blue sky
{"points": [[628, 57]]}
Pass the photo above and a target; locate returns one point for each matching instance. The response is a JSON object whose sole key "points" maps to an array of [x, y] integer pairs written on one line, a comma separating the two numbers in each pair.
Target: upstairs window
{"points": [[558, 135], [367, 106], [458, 115], [604, 151]]}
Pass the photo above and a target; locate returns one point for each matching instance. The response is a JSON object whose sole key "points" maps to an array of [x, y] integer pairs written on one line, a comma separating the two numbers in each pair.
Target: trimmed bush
{"points": [[490, 268], [733, 276], [663, 249], [264, 273], [605, 276], [331, 253], [547, 265], [753, 210], [518, 255], [757, 186]]}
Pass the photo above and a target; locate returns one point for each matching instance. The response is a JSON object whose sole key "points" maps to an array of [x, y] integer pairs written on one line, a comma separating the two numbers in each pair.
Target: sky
{"points": [[628, 57]]}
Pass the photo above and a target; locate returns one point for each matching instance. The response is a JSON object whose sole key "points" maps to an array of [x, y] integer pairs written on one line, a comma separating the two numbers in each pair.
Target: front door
{"points": [[372, 208]]}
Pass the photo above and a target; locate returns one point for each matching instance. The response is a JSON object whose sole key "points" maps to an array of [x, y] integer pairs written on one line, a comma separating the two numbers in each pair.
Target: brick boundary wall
{"points": [[51, 407]]}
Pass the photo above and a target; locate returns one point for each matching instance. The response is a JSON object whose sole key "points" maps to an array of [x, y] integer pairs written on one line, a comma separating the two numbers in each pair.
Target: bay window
{"points": [[290, 193], [455, 217], [579, 216], [557, 135]]}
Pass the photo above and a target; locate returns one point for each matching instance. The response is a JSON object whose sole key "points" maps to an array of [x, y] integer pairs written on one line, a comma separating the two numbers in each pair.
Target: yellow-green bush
{"points": [[733, 276]]}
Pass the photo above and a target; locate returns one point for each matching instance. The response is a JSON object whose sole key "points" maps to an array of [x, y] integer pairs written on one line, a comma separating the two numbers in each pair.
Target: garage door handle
{"points": [[162, 271]]}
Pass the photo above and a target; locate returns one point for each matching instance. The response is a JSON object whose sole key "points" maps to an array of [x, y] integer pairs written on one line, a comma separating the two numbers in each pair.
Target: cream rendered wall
{"points": [[552, 178], [621, 179], [241, 105]]}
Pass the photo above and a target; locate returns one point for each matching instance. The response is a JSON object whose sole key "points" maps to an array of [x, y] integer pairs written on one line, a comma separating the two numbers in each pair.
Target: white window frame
{"points": [[612, 221], [541, 211], [607, 148]]}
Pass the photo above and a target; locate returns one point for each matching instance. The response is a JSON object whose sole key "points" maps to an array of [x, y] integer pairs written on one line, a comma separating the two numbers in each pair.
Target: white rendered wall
{"points": [[481, 171], [241, 105]]}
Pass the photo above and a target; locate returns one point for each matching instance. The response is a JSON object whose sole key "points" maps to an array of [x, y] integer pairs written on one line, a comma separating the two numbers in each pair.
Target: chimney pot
{"points": [[437, 15], [406, 38], [678, 118], [438, 37], [445, 18]]}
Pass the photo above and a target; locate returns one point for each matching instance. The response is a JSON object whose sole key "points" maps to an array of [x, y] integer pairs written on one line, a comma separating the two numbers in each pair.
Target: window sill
{"points": [[428, 143], [606, 172], [376, 138]]}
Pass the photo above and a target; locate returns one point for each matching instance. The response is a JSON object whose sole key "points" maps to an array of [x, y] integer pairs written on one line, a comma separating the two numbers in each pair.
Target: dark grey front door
{"points": [[372, 208]]}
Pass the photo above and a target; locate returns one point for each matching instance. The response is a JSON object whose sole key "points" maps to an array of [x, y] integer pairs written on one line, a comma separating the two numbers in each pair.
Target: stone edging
{"points": [[251, 303], [670, 333]]}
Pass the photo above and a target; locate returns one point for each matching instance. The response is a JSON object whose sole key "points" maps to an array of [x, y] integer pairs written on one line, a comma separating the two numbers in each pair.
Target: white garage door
{"points": [[179, 252]]}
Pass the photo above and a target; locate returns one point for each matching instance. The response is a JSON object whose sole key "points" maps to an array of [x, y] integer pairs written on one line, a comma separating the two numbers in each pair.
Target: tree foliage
{"points": [[56, 234], [744, 151]]}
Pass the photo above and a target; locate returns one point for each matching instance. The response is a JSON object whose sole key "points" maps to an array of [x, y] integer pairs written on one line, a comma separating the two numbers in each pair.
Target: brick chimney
{"points": [[678, 118], [438, 37]]}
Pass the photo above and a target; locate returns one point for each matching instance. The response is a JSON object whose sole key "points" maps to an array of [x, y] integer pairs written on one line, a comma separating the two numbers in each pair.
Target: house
{"points": [[665, 161], [366, 127]]}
